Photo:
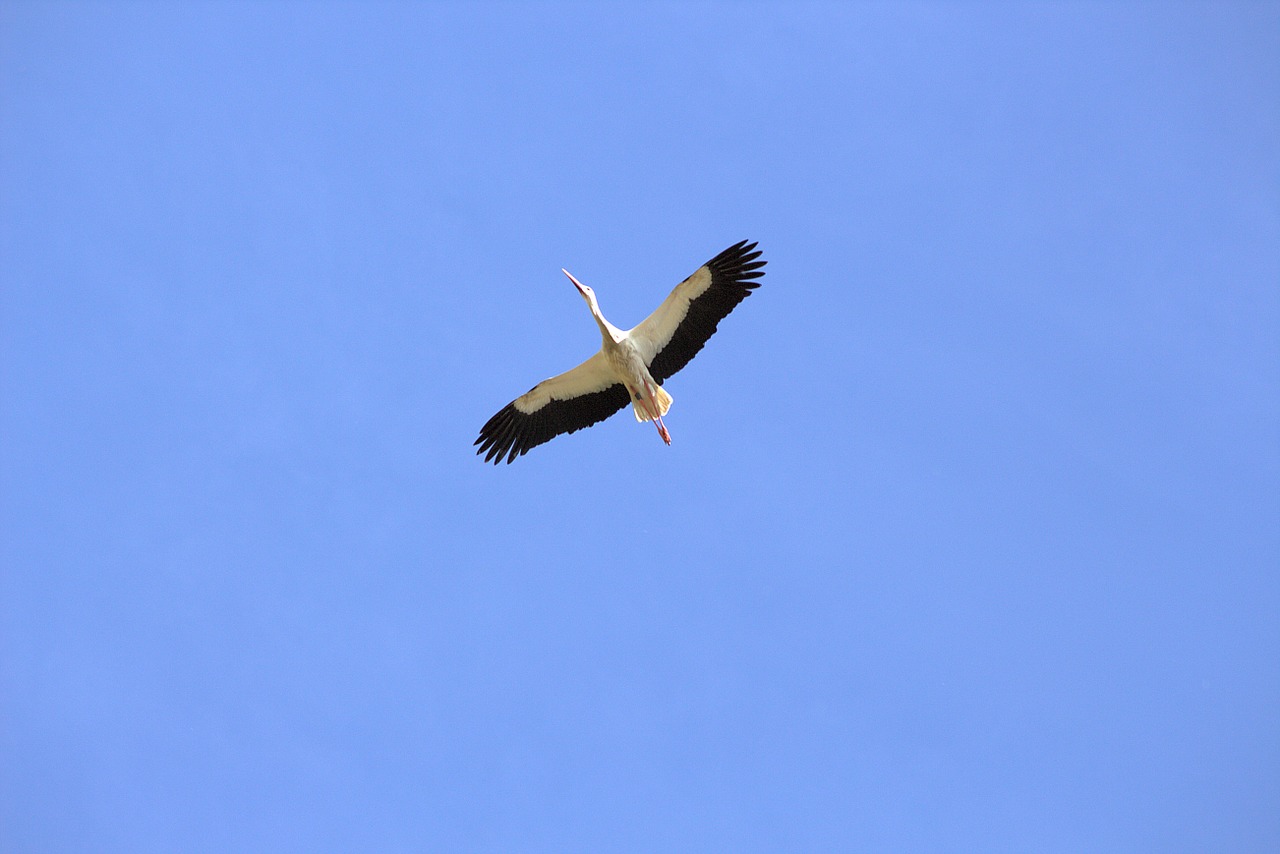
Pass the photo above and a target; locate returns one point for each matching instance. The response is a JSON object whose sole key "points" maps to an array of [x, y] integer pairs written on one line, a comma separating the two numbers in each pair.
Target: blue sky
{"points": [[968, 538]]}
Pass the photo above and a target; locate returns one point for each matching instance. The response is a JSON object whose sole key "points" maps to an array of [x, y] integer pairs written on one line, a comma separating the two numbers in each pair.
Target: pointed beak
{"points": [[576, 283]]}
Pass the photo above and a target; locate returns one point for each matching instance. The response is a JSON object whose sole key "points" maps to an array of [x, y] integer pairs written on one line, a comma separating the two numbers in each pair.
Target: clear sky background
{"points": [[969, 538]]}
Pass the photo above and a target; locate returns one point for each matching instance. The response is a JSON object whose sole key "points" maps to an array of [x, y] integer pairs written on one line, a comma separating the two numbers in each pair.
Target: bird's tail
{"points": [[661, 398]]}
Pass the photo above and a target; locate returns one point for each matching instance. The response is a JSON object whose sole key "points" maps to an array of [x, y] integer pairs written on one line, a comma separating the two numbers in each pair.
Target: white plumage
{"points": [[631, 364]]}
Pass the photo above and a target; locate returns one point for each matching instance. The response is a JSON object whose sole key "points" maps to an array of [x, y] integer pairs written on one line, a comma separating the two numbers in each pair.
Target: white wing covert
{"points": [[689, 316], [565, 403]]}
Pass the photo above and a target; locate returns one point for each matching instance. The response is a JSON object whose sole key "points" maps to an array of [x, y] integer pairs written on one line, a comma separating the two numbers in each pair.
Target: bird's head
{"points": [[587, 294]]}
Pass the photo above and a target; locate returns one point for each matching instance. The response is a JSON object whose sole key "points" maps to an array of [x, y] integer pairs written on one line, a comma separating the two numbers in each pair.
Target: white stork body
{"points": [[631, 364]]}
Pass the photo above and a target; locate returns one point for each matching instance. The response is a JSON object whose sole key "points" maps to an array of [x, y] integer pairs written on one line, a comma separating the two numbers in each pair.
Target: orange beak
{"points": [[576, 283]]}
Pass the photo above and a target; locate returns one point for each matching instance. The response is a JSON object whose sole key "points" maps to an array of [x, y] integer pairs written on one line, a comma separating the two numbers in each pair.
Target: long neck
{"points": [[611, 333]]}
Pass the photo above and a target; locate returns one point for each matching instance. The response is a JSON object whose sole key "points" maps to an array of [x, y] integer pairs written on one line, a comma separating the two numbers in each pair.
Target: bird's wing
{"points": [[678, 329], [565, 403]]}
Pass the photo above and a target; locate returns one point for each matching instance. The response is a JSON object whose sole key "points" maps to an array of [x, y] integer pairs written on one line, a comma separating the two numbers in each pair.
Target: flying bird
{"points": [[632, 364]]}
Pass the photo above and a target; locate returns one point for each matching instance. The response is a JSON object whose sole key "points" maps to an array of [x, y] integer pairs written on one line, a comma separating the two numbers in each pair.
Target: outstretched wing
{"points": [[575, 399], [679, 328]]}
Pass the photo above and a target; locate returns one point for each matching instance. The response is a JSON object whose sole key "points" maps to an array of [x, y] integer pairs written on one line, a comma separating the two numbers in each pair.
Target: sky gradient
{"points": [[968, 539]]}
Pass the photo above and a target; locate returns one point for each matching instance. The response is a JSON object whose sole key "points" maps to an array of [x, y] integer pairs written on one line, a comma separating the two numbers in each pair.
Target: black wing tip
{"points": [[738, 259], [511, 433], [738, 266], [733, 277], [496, 438]]}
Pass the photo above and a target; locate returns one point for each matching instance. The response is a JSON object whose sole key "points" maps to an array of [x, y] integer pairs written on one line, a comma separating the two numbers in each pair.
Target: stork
{"points": [[632, 364]]}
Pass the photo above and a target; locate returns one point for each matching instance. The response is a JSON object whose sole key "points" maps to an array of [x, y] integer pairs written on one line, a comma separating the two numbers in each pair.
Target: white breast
{"points": [[627, 363]]}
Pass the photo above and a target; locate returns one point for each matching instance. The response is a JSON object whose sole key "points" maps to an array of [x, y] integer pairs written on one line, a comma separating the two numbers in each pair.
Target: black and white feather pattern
{"points": [[685, 321], [666, 340], [511, 433]]}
